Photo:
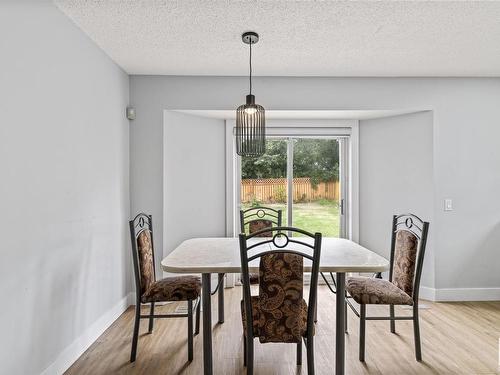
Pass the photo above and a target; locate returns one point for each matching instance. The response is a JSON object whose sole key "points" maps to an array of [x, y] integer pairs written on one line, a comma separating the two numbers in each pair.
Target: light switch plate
{"points": [[448, 204]]}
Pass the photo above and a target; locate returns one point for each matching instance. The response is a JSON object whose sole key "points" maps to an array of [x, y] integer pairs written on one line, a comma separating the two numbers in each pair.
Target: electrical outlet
{"points": [[448, 204]]}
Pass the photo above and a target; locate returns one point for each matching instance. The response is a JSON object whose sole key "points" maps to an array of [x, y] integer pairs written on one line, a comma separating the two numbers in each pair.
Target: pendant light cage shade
{"points": [[250, 117], [250, 130]]}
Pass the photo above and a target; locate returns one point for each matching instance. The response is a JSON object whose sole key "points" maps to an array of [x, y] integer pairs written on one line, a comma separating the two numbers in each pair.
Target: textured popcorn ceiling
{"points": [[298, 38]]}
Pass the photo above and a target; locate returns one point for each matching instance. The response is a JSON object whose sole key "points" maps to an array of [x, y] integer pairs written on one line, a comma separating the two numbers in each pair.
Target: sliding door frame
{"points": [[289, 185], [345, 183], [347, 129]]}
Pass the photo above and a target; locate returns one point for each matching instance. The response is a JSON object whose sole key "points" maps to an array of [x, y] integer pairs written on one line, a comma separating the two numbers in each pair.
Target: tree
{"points": [[270, 165], [317, 159]]}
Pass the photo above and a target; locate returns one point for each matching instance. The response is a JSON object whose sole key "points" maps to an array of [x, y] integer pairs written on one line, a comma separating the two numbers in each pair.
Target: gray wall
{"points": [[396, 176], [465, 148], [64, 166], [194, 175]]}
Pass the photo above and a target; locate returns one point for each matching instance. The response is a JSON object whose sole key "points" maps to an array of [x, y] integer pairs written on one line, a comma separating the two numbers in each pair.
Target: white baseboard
{"points": [[69, 355], [468, 294], [427, 293], [460, 294]]}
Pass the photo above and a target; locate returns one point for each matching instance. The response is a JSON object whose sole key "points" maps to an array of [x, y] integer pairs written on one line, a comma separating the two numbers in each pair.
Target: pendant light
{"points": [[250, 117]]}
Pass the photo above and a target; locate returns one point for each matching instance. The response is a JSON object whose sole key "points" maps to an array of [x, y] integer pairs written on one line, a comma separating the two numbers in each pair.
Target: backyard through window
{"points": [[316, 186]]}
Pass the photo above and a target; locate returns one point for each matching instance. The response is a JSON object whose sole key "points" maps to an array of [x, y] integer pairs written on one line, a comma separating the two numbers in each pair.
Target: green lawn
{"points": [[320, 216]]}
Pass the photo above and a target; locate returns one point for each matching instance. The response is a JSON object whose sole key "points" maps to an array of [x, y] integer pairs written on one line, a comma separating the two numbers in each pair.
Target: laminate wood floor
{"points": [[457, 338]]}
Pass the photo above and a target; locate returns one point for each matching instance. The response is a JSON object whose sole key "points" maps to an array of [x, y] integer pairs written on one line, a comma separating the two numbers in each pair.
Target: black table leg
{"points": [[207, 323], [339, 325], [221, 297]]}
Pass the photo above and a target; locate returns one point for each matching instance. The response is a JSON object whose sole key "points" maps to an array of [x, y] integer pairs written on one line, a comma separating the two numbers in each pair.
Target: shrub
{"points": [[254, 202], [280, 195]]}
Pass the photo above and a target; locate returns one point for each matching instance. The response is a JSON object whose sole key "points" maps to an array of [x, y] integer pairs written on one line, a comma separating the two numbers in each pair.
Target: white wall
{"points": [[64, 191], [396, 176], [466, 135], [194, 179]]}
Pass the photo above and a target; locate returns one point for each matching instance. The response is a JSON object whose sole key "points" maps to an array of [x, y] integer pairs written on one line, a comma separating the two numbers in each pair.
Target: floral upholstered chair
{"points": [[409, 237], [149, 290], [279, 313], [257, 218]]}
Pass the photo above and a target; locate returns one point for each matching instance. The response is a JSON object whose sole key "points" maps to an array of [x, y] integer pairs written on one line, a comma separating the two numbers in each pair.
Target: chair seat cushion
{"points": [[255, 314], [177, 288], [291, 328], [259, 224], [366, 290]]}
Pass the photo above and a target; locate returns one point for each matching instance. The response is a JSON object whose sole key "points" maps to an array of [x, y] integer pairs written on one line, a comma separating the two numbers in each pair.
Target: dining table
{"points": [[221, 255]]}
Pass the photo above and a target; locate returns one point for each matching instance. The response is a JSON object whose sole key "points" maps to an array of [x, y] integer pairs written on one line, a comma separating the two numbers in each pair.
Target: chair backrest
{"points": [[409, 238], [280, 281], [259, 218], [141, 235]]}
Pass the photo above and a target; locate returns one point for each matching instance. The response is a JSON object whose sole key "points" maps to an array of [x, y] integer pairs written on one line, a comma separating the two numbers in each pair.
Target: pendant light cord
{"points": [[251, 67]]}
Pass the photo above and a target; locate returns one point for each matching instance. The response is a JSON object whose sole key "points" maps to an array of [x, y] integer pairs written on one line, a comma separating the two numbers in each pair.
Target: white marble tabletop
{"points": [[222, 255]]}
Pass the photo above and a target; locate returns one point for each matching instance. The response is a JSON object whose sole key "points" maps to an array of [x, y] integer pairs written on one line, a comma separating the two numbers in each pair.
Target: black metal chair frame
{"points": [[137, 225], [256, 214], [260, 213], [420, 229], [313, 291]]}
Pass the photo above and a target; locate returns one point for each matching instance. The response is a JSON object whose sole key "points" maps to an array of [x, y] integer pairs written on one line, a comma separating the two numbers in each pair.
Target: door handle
{"points": [[342, 206]]}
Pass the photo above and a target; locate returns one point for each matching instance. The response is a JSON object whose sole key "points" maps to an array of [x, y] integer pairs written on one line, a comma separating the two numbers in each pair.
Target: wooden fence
{"points": [[273, 190]]}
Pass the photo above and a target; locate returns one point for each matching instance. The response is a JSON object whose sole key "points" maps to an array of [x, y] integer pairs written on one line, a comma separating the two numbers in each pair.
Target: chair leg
{"points": [[362, 325], [299, 353], [190, 330], [316, 312], [151, 319], [310, 355], [249, 355], [135, 336], [198, 310], [416, 333], [345, 315], [244, 351], [393, 322]]}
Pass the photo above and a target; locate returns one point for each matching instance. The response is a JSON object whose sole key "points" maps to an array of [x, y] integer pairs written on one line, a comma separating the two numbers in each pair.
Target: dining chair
{"points": [[257, 218], [149, 290], [279, 313], [409, 237]]}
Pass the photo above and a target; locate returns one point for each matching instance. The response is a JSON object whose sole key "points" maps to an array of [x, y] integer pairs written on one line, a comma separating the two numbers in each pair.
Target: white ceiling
{"points": [[298, 38]]}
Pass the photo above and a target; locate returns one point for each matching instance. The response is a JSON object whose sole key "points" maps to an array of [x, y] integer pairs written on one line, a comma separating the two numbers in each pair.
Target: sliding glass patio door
{"points": [[264, 180], [305, 177]]}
